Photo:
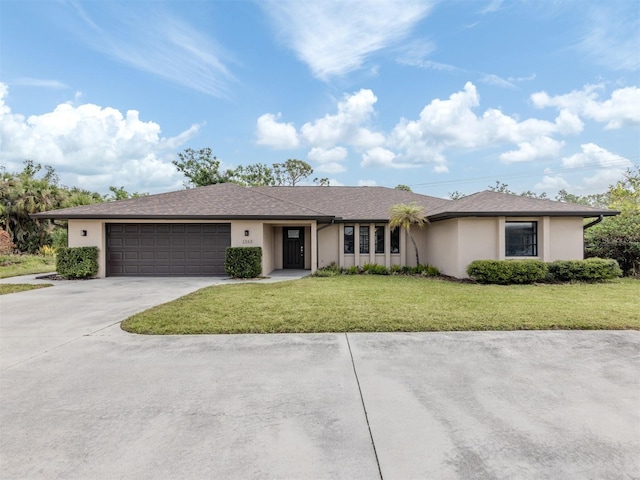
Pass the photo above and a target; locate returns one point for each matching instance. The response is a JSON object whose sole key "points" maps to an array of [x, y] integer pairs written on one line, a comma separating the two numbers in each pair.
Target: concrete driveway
{"points": [[80, 398]]}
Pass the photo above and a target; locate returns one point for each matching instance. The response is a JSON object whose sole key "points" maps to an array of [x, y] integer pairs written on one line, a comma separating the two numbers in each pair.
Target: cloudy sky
{"points": [[441, 96]]}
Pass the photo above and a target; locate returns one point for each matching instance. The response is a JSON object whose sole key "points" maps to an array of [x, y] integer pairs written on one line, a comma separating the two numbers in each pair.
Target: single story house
{"points": [[186, 232]]}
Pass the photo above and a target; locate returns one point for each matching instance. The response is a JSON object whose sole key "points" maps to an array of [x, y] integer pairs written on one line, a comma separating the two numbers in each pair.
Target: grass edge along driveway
{"points": [[392, 303], [6, 288]]}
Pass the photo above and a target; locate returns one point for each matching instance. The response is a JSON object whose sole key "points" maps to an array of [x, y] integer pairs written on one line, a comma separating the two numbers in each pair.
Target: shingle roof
{"points": [[489, 203], [352, 203], [229, 201], [224, 200]]}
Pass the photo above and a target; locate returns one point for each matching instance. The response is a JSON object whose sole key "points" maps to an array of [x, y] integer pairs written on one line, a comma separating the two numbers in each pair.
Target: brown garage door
{"points": [[165, 249]]}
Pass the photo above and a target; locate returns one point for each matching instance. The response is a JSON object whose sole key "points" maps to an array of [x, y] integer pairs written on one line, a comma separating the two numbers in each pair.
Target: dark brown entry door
{"points": [[293, 254]]}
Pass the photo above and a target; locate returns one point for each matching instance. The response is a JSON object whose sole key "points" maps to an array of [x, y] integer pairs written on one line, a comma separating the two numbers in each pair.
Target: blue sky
{"points": [[440, 96]]}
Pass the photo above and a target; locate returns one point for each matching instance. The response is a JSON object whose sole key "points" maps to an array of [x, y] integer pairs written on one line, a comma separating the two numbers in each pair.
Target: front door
{"points": [[293, 253]]}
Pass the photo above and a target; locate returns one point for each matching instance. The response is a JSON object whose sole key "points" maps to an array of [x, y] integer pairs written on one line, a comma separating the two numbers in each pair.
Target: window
{"points": [[395, 240], [348, 239], [379, 239], [364, 239], [521, 239]]}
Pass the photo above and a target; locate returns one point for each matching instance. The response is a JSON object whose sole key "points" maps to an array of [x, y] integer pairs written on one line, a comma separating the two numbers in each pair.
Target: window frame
{"points": [[394, 241], [349, 242], [379, 239], [364, 240], [527, 241]]}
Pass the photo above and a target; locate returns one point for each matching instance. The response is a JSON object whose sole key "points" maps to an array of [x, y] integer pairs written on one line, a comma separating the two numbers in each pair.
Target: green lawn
{"points": [[19, 287], [14, 265], [392, 303]]}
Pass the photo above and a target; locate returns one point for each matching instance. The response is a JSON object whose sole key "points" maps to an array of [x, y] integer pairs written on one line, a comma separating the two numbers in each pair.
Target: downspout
{"points": [[584, 229], [595, 222], [318, 240]]}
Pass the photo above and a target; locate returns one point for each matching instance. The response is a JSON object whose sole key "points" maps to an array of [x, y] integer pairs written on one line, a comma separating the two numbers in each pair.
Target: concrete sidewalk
{"points": [[80, 398]]}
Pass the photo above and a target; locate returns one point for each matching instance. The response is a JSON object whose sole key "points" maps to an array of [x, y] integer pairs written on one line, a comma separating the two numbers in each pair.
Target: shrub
{"points": [[77, 262], [353, 270], [330, 270], [375, 269], [589, 270], [6, 244], [505, 272], [59, 237], [395, 269], [427, 271], [47, 251], [243, 262]]}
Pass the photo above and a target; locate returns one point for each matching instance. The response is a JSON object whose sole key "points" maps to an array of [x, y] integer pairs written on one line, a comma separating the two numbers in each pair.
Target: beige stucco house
{"points": [[186, 232]]}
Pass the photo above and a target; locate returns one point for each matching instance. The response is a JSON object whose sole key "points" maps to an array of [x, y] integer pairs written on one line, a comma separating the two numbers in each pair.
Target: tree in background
{"points": [[321, 182], [200, 167], [291, 172], [119, 193], [597, 200], [254, 175], [402, 187], [24, 193], [619, 237], [405, 215]]}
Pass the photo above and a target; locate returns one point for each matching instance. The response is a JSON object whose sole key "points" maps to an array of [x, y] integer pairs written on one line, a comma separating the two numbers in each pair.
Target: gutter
{"points": [[595, 222]]}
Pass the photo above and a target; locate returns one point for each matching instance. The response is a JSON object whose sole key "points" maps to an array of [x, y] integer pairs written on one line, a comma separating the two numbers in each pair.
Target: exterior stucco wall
{"points": [[95, 238], [477, 240], [328, 245], [255, 237], [268, 253], [442, 246], [566, 239], [420, 235]]}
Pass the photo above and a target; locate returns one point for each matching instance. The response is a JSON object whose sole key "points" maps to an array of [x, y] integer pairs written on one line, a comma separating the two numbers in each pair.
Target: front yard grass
{"points": [[15, 265], [6, 288], [392, 303]]}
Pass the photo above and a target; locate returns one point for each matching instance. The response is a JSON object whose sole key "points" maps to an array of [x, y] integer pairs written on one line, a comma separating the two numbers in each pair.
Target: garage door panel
{"points": [[167, 249]]}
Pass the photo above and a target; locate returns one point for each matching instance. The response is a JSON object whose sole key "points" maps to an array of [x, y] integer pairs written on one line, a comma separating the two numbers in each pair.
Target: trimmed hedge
{"points": [[77, 262], [589, 270], [377, 269], [505, 272], [243, 262]]}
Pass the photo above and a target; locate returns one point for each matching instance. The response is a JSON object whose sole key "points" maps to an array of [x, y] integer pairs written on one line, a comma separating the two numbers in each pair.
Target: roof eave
{"points": [[320, 218], [583, 214]]}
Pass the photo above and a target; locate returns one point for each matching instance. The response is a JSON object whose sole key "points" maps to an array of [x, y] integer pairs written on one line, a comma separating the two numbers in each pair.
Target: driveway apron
{"points": [[80, 398]]}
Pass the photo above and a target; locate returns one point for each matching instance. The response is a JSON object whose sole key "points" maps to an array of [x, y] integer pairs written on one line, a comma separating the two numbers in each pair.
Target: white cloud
{"points": [[593, 155], [492, 79], [443, 125], [331, 167], [492, 6], [346, 125], [621, 109], [378, 157], [274, 134], [157, 42], [321, 155], [609, 166], [552, 183], [569, 123], [40, 82], [539, 148], [367, 183], [92, 147], [335, 37], [452, 123], [612, 35]]}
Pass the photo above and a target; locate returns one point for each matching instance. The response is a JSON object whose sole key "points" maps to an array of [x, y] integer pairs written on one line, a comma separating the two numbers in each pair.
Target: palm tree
{"points": [[404, 215]]}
